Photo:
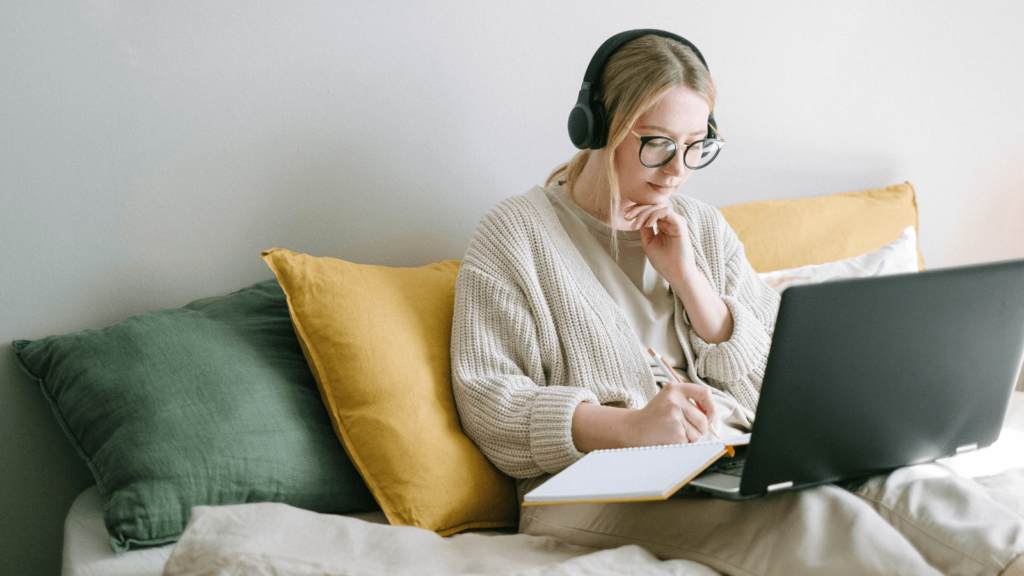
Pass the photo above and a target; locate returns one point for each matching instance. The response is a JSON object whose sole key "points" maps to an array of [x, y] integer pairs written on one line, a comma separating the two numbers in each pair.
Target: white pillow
{"points": [[898, 257]]}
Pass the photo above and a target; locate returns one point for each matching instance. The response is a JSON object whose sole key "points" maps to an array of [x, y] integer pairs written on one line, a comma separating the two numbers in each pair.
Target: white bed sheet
{"points": [[87, 549]]}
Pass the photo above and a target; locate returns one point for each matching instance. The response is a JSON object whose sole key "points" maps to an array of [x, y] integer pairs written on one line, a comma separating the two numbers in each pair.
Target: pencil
{"points": [[670, 372]]}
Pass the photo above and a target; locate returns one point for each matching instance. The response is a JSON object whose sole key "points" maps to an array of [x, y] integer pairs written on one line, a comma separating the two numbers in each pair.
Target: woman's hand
{"points": [[671, 254], [671, 418], [670, 250]]}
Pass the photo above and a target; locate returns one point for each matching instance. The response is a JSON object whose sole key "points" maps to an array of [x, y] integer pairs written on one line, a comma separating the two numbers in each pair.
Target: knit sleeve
{"points": [[736, 365], [521, 424]]}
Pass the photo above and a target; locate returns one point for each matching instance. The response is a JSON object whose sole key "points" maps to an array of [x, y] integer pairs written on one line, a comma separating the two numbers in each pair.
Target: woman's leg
{"points": [[948, 518], [823, 530], [1016, 568]]}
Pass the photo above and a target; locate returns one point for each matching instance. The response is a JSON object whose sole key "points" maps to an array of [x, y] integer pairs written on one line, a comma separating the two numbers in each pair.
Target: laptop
{"points": [[867, 375]]}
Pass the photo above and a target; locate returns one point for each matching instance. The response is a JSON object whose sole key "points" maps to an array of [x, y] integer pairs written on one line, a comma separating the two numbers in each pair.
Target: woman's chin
{"points": [[646, 195], [661, 192]]}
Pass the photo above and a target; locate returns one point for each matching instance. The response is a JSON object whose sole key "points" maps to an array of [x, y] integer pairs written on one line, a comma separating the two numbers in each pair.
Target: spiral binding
{"points": [[655, 447]]}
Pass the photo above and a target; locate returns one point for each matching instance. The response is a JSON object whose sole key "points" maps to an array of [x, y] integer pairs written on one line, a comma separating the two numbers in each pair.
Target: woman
{"points": [[563, 288]]}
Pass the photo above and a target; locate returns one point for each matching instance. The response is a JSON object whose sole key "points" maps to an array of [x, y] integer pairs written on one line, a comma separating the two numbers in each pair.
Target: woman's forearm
{"points": [[596, 427], [671, 417], [708, 313]]}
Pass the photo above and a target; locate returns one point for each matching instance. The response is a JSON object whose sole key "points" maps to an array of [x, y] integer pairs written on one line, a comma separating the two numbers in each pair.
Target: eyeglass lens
{"points": [[658, 151]]}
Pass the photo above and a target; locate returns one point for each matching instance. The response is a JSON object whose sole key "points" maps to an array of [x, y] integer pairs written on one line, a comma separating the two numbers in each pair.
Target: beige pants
{"points": [[917, 520]]}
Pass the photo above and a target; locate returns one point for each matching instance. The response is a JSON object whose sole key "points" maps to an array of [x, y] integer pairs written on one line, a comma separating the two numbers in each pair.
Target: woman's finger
{"points": [[656, 214], [646, 235], [648, 220], [679, 394], [691, 431], [706, 399], [633, 217], [695, 418], [636, 209], [640, 214], [671, 223]]}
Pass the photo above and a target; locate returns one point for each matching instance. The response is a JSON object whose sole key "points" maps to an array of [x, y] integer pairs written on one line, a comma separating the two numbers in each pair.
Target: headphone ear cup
{"points": [[581, 126], [600, 134], [711, 120]]}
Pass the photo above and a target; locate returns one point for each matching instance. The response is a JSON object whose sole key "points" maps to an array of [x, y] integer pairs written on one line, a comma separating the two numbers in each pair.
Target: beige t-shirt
{"points": [[643, 294]]}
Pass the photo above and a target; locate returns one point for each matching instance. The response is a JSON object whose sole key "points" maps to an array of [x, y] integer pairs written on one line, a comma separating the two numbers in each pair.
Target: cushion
{"points": [[209, 404], [778, 234], [897, 257], [377, 340]]}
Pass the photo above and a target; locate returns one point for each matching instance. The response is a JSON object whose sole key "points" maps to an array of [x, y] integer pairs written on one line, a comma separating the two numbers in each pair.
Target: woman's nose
{"points": [[675, 166]]}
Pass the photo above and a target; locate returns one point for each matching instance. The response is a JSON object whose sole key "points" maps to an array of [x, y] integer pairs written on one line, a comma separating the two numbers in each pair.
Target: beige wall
{"points": [[149, 151]]}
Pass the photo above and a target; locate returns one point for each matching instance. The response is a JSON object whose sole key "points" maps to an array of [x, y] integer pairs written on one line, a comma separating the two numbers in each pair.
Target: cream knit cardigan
{"points": [[535, 333]]}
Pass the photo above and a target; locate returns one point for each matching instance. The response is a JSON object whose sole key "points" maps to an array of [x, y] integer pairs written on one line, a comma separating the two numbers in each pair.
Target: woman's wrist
{"points": [[596, 427], [681, 280], [708, 313]]}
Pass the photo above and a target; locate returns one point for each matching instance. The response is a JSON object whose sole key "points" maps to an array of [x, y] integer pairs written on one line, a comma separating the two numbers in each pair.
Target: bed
{"points": [[262, 431], [87, 552]]}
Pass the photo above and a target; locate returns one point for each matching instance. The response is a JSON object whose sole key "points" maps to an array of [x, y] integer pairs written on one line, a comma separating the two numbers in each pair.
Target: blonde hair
{"points": [[632, 80]]}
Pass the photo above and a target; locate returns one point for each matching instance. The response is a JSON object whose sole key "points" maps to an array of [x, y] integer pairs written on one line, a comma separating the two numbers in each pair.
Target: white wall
{"points": [[149, 151]]}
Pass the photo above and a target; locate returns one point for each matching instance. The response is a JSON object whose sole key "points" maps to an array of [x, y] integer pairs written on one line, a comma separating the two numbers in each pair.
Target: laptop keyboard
{"points": [[732, 468]]}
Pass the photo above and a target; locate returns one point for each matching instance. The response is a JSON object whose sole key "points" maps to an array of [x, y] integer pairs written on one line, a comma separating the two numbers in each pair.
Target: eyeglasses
{"points": [[657, 151]]}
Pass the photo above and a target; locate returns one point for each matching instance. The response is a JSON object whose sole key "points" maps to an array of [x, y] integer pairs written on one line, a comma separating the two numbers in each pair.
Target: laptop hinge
{"points": [[779, 486], [967, 448]]}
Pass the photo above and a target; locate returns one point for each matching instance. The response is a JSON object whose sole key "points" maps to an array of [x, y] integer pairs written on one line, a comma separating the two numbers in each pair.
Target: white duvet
{"points": [[277, 539], [263, 539]]}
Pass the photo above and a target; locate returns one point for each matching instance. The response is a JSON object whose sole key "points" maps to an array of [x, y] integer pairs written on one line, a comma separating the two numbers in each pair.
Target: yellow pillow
{"points": [[779, 234], [377, 340]]}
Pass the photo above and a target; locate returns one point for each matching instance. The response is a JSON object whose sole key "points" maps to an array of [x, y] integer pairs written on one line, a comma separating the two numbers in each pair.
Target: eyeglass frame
{"points": [[645, 139]]}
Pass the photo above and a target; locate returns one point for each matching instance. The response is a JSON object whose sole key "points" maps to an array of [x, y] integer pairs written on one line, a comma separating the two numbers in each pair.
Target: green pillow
{"points": [[210, 404]]}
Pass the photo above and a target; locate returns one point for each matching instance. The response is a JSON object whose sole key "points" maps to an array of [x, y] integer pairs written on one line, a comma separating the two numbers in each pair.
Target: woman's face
{"points": [[681, 114]]}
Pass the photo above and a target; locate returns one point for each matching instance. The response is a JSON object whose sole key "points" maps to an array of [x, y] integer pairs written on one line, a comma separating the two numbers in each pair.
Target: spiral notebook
{"points": [[631, 474]]}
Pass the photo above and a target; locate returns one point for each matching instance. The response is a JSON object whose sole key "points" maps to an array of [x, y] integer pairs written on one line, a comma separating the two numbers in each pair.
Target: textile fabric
{"points": [[795, 232], [535, 333], [278, 540], [377, 340], [896, 257], [922, 520], [643, 295], [208, 404]]}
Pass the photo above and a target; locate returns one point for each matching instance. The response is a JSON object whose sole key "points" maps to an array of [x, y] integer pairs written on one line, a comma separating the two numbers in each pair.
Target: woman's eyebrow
{"points": [[667, 131]]}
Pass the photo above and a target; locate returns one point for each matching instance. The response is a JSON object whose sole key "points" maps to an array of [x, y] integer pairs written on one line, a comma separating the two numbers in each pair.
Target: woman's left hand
{"points": [[671, 254], [670, 250]]}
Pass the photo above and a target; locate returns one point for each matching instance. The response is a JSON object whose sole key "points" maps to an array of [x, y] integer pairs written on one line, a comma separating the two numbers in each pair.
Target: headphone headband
{"points": [[611, 45], [588, 127]]}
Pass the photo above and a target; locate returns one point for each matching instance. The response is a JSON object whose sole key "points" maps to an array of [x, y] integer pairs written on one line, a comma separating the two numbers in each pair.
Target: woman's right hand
{"points": [[670, 417]]}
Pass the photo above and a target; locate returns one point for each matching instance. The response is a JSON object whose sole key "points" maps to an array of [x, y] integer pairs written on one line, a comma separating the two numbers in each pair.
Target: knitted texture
{"points": [[535, 333]]}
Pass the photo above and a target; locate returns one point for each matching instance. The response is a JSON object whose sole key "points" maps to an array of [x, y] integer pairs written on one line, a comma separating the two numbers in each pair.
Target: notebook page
{"points": [[647, 473], [737, 440]]}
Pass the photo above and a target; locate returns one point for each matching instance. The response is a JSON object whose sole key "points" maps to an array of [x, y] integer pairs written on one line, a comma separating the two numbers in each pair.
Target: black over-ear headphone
{"points": [[588, 124]]}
